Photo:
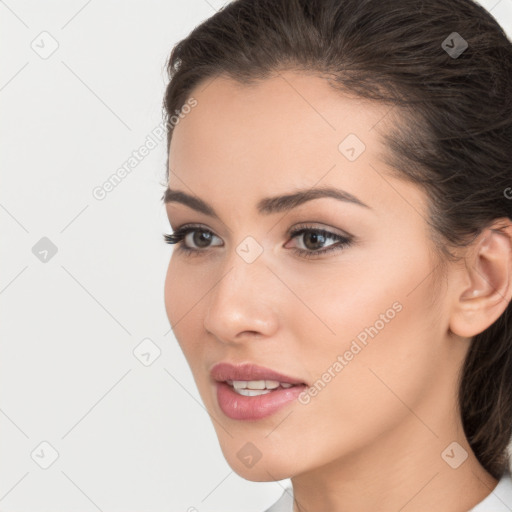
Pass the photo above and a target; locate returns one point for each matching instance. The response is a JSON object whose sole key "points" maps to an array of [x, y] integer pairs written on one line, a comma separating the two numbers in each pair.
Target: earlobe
{"points": [[486, 286]]}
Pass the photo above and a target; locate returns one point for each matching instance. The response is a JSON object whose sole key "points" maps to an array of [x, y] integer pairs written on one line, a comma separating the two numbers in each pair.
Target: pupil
{"points": [[201, 236], [316, 237]]}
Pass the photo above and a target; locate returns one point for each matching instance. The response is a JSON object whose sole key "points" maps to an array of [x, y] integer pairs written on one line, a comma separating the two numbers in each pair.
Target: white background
{"points": [[129, 437]]}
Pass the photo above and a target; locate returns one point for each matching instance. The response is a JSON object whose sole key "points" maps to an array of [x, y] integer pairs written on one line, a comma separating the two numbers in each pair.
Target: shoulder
{"points": [[284, 503], [500, 499]]}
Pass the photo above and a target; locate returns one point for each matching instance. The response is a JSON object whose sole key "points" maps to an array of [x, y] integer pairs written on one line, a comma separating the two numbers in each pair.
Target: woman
{"points": [[339, 188]]}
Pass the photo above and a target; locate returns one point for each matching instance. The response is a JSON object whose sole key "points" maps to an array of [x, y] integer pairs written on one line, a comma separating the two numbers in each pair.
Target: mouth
{"points": [[240, 390]]}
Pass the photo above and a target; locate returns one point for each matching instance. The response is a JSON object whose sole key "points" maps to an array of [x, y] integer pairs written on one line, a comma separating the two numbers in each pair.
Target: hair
{"points": [[453, 138]]}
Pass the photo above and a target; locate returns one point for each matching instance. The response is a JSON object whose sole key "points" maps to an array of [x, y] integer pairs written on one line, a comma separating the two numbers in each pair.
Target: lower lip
{"points": [[241, 407]]}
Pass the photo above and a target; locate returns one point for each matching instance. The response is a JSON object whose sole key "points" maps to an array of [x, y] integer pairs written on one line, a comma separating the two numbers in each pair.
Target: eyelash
{"points": [[179, 234]]}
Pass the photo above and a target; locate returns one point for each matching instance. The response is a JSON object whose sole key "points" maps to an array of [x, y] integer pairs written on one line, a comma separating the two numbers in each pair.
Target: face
{"points": [[346, 310]]}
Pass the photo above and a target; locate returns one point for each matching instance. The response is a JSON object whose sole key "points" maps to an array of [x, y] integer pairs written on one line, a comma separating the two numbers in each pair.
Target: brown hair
{"points": [[455, 138]]}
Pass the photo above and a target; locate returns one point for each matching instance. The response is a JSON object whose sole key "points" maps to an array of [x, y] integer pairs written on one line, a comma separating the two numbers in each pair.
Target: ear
{"points": [[485, 287]]}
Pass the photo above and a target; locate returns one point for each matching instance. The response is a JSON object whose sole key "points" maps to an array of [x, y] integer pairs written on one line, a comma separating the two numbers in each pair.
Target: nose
{"points": [[244, 302]]}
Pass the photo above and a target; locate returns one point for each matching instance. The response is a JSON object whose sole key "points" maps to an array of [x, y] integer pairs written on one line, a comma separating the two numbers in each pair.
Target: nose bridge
{"points": [[240, 300], [244, 268]]}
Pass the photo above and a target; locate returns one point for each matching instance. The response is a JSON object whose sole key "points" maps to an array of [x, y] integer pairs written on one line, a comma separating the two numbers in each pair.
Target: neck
{"points": [[401, 470]]}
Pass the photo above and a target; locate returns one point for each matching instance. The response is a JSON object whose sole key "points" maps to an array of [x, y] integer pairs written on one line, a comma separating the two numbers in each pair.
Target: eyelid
{"points": [[190, 228], [291, 231], [341, 241], [313, 226]]}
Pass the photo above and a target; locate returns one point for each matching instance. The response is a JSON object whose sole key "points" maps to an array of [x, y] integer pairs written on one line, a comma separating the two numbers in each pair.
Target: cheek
{"points": [[183, 291], [173, 290], [384, 353]]}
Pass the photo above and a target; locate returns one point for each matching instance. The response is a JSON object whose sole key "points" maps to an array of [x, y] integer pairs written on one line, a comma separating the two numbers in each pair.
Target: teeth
{"points": [[261, 386], [256, 384]]}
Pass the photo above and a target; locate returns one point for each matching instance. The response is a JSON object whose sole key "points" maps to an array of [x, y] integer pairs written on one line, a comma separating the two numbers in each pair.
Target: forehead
{"points": [[288, 131], [287, 115]]}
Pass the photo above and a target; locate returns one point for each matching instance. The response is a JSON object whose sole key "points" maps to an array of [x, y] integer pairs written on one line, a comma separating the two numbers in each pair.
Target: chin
{"points": [[262, 473], [273, 467]]}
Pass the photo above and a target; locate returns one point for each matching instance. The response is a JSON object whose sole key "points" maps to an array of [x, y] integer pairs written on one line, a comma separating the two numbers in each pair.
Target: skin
{"points": [[372, 438]]}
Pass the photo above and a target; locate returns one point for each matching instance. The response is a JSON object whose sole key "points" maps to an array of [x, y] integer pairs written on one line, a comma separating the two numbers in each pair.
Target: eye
{"points": [[180, 234], [313, 237]]}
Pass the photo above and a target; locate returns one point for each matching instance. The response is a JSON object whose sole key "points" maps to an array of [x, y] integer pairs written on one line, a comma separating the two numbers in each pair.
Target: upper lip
{"points": [[224, 371]]}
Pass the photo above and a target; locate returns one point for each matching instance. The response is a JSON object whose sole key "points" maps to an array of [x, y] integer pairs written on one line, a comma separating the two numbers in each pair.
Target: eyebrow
{"points": [[268, 205]]}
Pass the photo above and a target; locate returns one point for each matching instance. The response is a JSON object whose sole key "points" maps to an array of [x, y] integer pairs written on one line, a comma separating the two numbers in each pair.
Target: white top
{"points": [[499, 500]]}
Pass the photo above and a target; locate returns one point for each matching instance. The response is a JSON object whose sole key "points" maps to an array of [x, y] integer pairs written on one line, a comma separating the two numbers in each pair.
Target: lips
{"points": [[223, 372], [240, 407], [252, 392]]}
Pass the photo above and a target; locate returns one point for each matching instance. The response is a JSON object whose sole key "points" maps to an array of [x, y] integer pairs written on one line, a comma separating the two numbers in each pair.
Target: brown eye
{"points": [[200, 238], [314, 240]]}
